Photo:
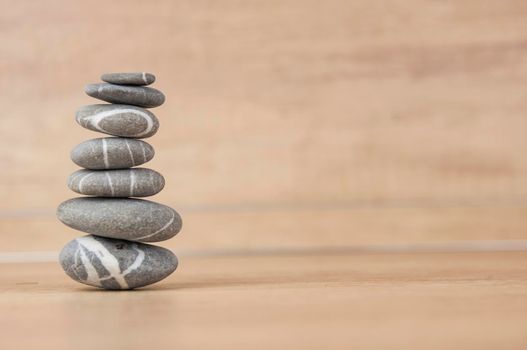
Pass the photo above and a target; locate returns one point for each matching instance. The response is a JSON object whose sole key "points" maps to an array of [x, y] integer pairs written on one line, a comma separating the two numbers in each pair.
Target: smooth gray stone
{"points": [[129, 95], [135, 78], [116, 264], [134, 182], [111, 153], [118, 120], [123, 218]]}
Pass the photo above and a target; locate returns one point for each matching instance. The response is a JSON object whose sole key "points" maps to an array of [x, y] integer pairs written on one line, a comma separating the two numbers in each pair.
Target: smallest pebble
{"points": [[136, 78]]}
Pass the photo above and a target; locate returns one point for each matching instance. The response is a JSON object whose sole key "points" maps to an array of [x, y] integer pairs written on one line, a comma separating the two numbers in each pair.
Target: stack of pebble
{"points": [[111, 256]]}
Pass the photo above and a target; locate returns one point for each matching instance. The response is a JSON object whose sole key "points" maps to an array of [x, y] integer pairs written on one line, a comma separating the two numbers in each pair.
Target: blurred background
{"points": [[288, 124]]}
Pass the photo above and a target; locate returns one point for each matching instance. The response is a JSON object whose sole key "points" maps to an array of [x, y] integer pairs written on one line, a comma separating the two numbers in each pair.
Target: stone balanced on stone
{"points": [[112, 255]]}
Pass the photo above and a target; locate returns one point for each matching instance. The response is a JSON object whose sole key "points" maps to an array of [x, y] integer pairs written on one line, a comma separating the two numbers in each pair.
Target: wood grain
{"points": [[367, 301]]}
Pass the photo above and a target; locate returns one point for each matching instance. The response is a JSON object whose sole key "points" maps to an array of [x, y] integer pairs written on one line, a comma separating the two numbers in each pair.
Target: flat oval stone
{"points": [[129, 95], [122, 218], [134, 182], [111, 153], [116, 264], [118, 120], [135, 78]]}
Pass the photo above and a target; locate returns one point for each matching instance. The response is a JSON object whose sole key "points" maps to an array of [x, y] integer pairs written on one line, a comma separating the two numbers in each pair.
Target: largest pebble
{"points": [[122, 218], [134, 78]]}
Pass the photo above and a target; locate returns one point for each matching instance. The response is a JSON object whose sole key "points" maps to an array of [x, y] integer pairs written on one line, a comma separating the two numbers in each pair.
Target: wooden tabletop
{"points": [[303, 301]]}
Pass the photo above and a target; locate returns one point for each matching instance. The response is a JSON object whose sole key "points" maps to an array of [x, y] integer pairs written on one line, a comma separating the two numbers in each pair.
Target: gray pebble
{"points": [[111, 153], [123, 218], [134, 182], [136, 78], [129, 95], [116, 264], [118, 120]]}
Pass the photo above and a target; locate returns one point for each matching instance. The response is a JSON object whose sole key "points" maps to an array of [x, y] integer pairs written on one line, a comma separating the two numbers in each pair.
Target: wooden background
{"points": [[288, 123]]}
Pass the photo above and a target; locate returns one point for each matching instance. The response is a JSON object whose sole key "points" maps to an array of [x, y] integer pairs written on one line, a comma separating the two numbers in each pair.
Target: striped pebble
{"points": [[116, 264], [111, 153], [139, 78], [122, 218], [128, 95], [135, 182], [118, 120]]}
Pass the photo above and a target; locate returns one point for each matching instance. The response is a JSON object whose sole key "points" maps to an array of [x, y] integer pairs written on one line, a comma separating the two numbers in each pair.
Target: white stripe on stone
{"points": [[91, 273], [81, 181], [161, 229], [105, 153], [132, 182], [137, 262], [95, 119], [130, 151], [76, 263], [73, 178], [144, 152], [144, 78], [134, 266], [108, 261], [110, 182]]}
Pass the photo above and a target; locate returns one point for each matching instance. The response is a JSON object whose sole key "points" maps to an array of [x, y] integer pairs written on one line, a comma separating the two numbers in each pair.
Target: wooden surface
{"points": [[364, 301], [279, 104]]}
